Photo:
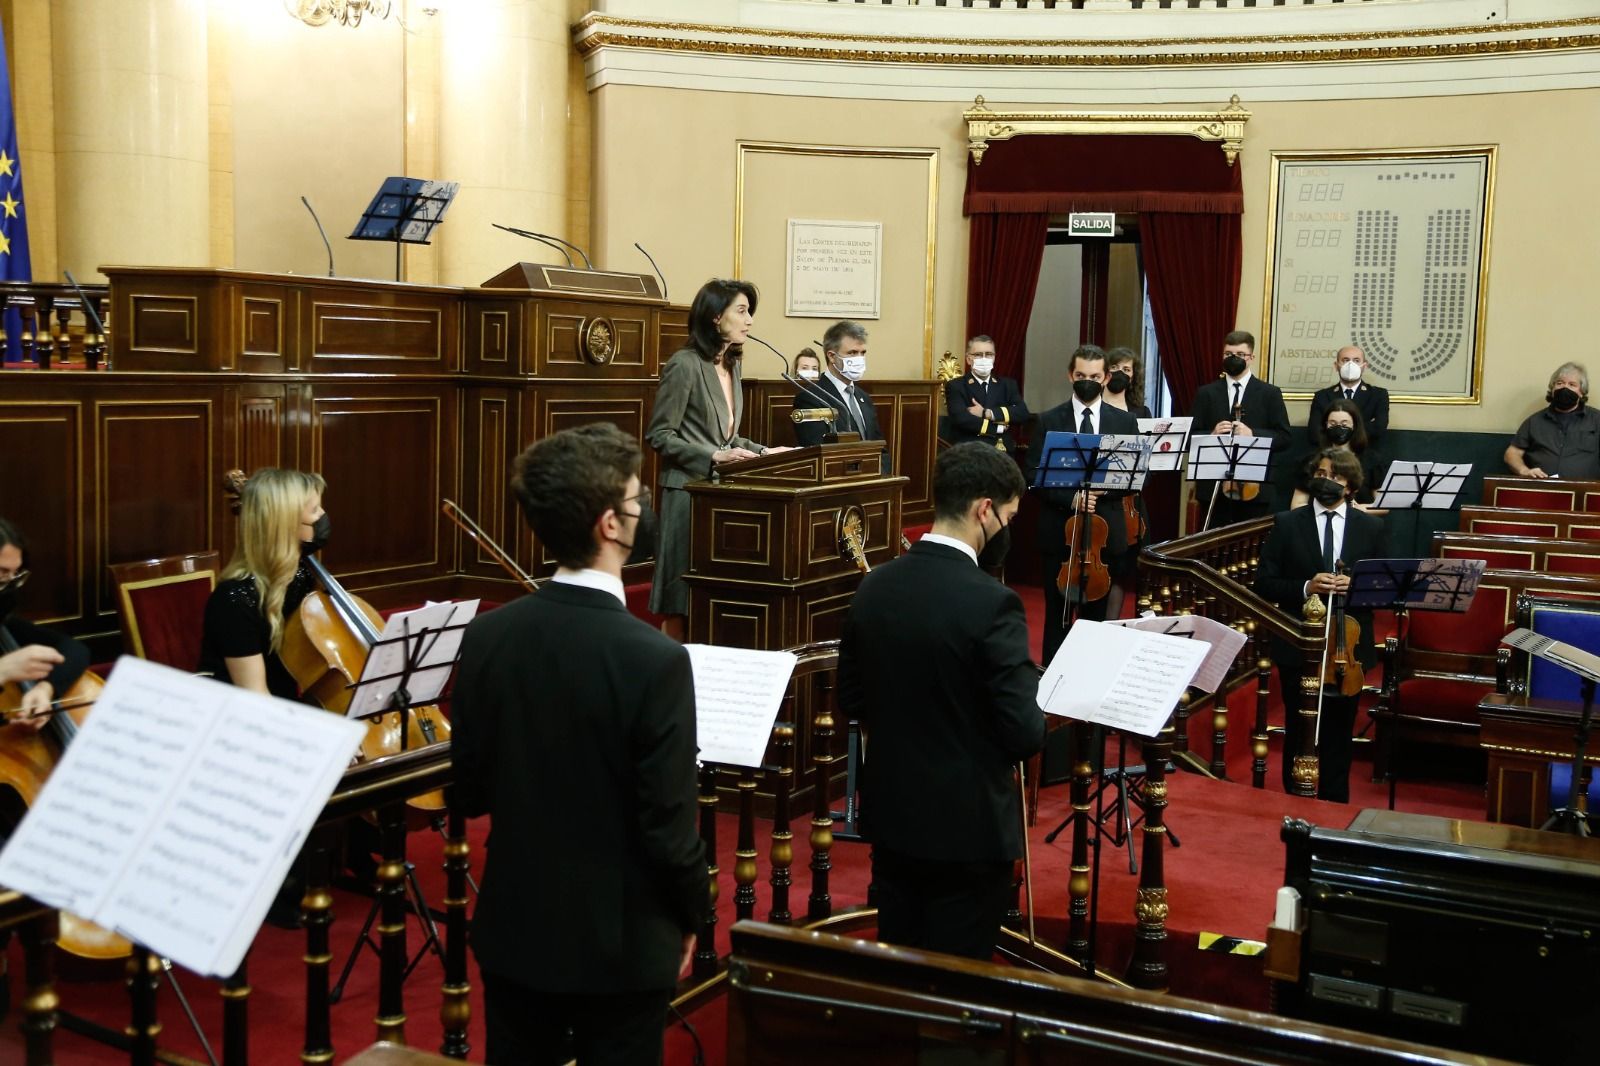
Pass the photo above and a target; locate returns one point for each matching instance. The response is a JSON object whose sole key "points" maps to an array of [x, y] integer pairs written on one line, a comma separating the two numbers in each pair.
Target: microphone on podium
{"points": [[322, 231], [536, 237], [653, 266], [811, 391]]}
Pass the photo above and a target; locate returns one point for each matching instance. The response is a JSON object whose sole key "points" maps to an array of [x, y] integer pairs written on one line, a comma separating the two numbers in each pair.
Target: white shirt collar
{"points": [[1243, 379], [838, 382], [951, 542], [1078, 407], [590, 578], [1339, 510]]}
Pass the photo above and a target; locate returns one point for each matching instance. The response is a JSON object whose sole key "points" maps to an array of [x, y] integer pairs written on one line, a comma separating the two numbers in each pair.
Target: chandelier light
{"points": [[344, 12]]}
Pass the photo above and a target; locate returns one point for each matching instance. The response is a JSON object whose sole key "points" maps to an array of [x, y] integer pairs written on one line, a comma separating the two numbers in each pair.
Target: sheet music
{"points": [[1126, 460], [737, 693], [439, 627], [1435, 485], [1220, 457], [1119, 677], [1223, 642], [1580, 662], [177, 810], [1167, 439]]}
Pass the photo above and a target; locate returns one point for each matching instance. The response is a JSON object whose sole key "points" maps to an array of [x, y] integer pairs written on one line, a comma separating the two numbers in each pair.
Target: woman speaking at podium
{"points": [[696, 426]]}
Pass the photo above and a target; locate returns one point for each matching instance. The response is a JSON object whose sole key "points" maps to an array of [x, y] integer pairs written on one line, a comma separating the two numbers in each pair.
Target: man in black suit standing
{"points": [[844, 348], [1373, 400], [1297, 561], [1084, 413], [1261, 413], [575, 732], [981, 406], [934, 663]]}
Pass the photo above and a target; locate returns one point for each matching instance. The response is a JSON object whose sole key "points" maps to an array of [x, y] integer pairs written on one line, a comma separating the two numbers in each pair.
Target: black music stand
{"points": [[1417, 487], [1574, 817], [420, 653], [404, 211], [1223, 457], [1403, 586]]}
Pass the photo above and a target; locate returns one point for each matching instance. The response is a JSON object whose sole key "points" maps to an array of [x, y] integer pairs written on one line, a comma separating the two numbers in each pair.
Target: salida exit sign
{"points": [[1092, 224]]}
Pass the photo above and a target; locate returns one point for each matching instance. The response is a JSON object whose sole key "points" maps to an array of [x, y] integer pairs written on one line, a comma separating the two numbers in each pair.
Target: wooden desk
{"points": [[1522, 738]]}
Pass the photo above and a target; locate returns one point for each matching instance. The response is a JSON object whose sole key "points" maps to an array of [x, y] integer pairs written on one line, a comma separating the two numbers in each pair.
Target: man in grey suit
{"points": [[845, 347]]}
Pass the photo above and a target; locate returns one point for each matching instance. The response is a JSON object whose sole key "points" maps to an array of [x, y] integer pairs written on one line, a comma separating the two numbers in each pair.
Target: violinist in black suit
{"points": [[1371, 400], [1261, 413], [1298, 560], [934, 662], [980, 405], [845, 349], [575, 732], [1086, 412]]}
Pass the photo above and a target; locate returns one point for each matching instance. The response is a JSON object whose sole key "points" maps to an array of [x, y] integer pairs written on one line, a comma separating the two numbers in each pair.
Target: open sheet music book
{"points": [[1223, 643], [429, 636], [175, 813], [1168, 438], [737, 693], [1432, 486], [1119, 677], [1585, 664]]}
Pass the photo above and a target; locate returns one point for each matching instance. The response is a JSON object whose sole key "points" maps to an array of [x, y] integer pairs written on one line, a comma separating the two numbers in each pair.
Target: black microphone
{"points": [[322, 231], [99, 327], [799, 383], [660, 275], [552, 237], [536, 237]]}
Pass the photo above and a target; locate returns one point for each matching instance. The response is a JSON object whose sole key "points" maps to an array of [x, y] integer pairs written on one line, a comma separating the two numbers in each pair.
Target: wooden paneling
{"points": [[41, 492], [558, 341], [266, 333], [490, 440], [394, 333], [496, 337]]}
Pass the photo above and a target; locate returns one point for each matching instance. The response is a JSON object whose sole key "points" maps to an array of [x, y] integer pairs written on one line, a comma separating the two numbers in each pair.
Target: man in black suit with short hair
{"points": [[575, 732], [1261, 414], [934, 663], [982, 406], [1086, 412], [1299, 559], [844, 349], [1350, 363]]}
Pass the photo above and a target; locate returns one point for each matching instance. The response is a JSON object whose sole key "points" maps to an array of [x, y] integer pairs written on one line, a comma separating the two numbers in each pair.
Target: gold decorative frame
{"points": [[930, 155], [1225, 125], [1485, 238]]}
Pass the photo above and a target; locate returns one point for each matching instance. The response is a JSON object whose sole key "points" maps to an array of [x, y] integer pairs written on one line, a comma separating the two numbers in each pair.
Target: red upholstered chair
{"points": [[162, 606]]}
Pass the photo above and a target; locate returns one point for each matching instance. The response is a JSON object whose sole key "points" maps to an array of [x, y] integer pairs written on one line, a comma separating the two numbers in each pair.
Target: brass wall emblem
{"points": [[851, 531], [599, 340]]}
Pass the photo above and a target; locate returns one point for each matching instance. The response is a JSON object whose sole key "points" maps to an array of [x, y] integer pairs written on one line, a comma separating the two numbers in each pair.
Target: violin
{"points": [[27, 756], [1085, 570], [1132, 519], [1343, 635], [1238, 490]]}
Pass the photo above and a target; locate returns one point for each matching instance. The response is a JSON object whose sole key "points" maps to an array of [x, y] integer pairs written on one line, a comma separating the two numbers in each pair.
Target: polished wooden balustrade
{"points": [[54, 328]]}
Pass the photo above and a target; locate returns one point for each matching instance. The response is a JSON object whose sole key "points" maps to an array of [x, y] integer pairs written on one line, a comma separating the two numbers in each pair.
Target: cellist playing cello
{"points": [[1301, 558]]}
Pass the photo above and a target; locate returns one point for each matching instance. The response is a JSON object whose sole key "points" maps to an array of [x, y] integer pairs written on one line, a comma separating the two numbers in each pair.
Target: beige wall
{"points": [[664, 162]]}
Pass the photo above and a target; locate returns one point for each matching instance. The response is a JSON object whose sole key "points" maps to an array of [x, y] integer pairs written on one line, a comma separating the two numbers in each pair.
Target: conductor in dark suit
{"points": [[982, 406], [575, 732], [1261, 414], [1086, 412], [934, 663], [1372, 400], [1298, 560], [844, 347]]}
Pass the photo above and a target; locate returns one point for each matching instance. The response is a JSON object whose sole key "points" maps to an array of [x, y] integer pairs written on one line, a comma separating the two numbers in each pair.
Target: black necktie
{"points": [[1327, 543], [1087, 425], [1238, 386], [1349, 394]]}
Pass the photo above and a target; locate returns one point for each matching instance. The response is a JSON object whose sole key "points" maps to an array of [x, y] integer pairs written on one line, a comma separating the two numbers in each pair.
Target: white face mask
{"points": [[983, 365], [1350, 371], [853, 367], [810, 374]]}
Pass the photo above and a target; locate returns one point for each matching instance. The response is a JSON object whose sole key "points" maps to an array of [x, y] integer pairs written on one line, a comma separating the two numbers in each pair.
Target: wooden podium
{"points": [[772, 557]]}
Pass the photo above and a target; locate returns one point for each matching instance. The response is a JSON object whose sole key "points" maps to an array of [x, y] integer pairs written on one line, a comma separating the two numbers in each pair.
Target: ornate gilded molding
{"points": [[1225, 125]]}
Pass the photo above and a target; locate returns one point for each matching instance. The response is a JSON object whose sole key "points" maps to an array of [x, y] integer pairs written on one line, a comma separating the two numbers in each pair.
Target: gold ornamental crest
{"points": [[599, 341]]}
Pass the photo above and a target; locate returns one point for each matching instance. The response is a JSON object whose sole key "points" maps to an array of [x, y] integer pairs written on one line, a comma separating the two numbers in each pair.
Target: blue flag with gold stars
{"points": [[14, 262]]}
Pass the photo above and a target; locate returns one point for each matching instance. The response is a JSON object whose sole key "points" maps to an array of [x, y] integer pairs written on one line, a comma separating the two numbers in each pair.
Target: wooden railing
{"points": [[55, 330]]}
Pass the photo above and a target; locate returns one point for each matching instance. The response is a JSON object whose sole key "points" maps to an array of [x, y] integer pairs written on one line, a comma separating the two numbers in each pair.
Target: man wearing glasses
{"points": [[47, 661]]}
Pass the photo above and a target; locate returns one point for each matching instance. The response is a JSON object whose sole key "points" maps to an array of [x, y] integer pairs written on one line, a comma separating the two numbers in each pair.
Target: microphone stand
{"points": [[800, 383], [548, 238], [536, 237]]}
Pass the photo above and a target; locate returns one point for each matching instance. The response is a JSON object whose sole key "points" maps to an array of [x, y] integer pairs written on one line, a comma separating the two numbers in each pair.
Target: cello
{"points": [[26, 758]]}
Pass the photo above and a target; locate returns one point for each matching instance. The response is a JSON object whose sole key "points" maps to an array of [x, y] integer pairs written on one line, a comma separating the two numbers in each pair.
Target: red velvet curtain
{"points": [[1002, 274], [1192, 262]]}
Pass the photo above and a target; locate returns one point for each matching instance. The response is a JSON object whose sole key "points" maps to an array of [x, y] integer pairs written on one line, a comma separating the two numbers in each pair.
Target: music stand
{"points": [[1419, 487], [426, 659], [1169, 440], [1224, 457], [404, 211], [1403, 586], [1574, 817]]}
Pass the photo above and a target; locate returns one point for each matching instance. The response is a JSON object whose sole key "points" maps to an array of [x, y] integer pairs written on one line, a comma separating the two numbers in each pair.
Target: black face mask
{"points": [[319, 536], [643, 548], [1086, 391], [994, 549], [1233, 365], [1339, 434], [1119, 382], [1327, 491], [1563, 399]]}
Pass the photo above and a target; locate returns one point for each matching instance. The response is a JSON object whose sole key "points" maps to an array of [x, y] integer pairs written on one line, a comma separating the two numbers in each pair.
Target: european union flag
{"points": [[14, 262]]}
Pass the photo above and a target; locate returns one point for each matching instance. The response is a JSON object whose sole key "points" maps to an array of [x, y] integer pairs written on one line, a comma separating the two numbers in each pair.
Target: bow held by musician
{"points": [[46, 662]]}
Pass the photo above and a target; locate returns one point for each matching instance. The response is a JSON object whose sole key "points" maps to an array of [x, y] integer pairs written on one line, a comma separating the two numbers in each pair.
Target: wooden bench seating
{"points": [[1521, 553], [1541, 494], [1519, 522]]}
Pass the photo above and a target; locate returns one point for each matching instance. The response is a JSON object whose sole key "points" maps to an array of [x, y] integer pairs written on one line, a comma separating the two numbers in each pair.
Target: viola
{"points": [[1132, 519], [1085, 569], [1238, 490], [1344, 677], [27, 756]]}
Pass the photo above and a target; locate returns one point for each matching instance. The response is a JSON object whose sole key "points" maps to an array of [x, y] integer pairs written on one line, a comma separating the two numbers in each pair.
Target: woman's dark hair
{"points": [[709, 303], [1135, 393], [567, 480], [1358, 437]]}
